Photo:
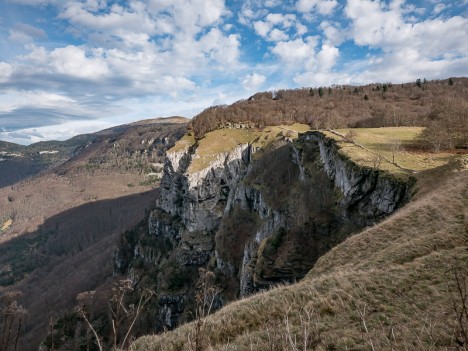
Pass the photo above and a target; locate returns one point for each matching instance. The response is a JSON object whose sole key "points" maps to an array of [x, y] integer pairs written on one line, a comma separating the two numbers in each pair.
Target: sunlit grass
{"points": [[221, 141], [183, 143], [217, 142], [6, 225], [377, 141]]}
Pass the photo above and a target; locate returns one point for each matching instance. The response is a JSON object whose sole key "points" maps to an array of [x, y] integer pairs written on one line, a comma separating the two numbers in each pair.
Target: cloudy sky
{"points": [[76, 66]]}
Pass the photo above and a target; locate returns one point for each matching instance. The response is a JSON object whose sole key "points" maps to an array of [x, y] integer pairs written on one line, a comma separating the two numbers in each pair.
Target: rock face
{"points": [[254, 217]]}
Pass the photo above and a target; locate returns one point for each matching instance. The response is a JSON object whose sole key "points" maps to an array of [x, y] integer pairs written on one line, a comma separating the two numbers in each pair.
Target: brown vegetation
{"points": [[60, 227], [11, 319], [390, 287], [436, 104]]}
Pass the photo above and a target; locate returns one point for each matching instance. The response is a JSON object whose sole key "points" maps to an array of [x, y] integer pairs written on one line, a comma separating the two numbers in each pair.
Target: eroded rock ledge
{"points": [[255, 217]]}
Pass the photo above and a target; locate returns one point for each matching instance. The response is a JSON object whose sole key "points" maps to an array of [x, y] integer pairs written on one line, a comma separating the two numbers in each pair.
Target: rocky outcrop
{"points": [[255, 221], [366, 192]]}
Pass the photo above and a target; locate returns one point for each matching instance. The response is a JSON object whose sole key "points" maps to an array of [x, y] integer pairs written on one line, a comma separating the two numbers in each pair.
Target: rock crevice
{"points": [[257, 221]]}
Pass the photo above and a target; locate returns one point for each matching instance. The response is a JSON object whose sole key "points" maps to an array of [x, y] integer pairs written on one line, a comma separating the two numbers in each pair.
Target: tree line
{"points": [[439, 105]]}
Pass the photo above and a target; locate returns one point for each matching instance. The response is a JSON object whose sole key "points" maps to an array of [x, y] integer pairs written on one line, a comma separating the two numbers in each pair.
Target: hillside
{"points": [[10, 147], [391, 286], [259, 208], [136, 150], [277, 212], [439, 105], [61, 225]]}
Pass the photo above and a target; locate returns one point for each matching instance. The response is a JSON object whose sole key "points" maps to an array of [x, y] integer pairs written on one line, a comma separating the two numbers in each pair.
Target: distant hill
{"points": [[172, 119], [10, 147], [39, 157], [61, 213], [332, 235]]}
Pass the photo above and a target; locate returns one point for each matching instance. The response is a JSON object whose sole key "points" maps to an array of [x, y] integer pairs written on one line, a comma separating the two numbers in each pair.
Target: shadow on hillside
{"points": [[16, 170], [70, 253]]}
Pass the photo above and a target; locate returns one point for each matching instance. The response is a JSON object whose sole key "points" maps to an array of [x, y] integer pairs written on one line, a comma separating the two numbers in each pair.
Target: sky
{"points": [[69, 67]]}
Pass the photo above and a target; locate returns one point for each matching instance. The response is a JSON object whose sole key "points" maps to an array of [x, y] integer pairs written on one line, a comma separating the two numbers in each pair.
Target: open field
{"points": [[394, 149], [398, 144]]}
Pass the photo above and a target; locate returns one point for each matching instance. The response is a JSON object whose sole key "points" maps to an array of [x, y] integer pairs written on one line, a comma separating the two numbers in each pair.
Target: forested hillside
{"points": [[440, 105], [58, 228]]}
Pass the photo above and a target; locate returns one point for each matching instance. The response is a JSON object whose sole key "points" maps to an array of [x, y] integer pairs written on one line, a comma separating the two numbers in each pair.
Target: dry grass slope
{"points": [[397, 148], [390, 287], [220, 141]]}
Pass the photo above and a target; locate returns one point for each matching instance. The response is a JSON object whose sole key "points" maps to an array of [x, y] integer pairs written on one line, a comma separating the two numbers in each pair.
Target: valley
{"points": [[324, 232], [59, 226]]}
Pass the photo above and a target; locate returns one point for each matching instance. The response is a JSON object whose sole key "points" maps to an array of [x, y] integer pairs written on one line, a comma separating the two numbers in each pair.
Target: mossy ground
{"points": [[367, 145], [216, 143]]}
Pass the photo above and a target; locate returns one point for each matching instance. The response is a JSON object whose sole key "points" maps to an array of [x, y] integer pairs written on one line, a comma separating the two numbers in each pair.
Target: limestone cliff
{"points": [[256, 217]]}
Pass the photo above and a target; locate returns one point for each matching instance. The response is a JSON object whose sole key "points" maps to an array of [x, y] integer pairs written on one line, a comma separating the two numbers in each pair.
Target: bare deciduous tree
{"points": [[11, 316], [394, 146], [123, 315], [351, 136], [206, 295], [376, 159], [460, 307]]}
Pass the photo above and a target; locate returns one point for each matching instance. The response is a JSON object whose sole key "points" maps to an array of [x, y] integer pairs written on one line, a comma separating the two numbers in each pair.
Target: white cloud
{"points": [[11, 100], [148, 57], [296, 51], [439, 8], [220, 48], [285, 21], [319, 70], [75, 61], [333, 34], [411, 47], [190, 15], [126, 46], [327, 57], [323, 7], [376, 26], [267, 28], [61, 131], [117, 20], [24, 33], [5, 72], [272, 3], [301, 29], [253, 81], [35, 2], [262, 28], [278, 35]]}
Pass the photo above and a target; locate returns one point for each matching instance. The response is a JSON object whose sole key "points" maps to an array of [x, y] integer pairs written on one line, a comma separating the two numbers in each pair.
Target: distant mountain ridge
{"points": [[43, 155]]}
